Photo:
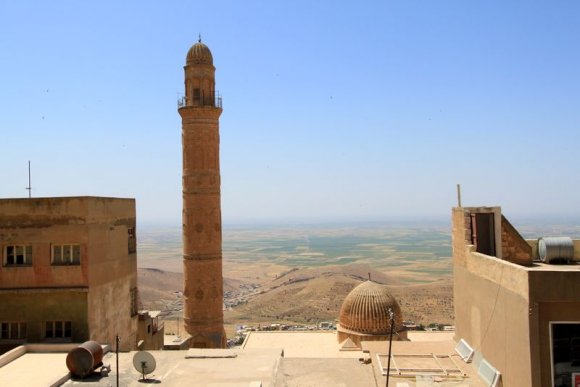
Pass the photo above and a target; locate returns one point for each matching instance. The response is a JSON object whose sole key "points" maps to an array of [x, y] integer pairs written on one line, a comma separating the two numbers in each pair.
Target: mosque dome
{"points": [[365, 310], [199, 53]]}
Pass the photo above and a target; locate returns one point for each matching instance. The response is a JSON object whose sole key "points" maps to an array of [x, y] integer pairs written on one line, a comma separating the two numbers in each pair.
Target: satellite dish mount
{"points": [[144, 363]]}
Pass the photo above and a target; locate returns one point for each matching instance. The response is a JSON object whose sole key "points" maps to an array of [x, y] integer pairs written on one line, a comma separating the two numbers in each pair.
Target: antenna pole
{"points": [[458, 195], [392, 323], [117, 340], [29, 188]]}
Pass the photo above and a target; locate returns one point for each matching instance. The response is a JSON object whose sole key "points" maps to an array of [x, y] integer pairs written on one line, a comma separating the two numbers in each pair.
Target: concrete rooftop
{"points": [[284, 359]]}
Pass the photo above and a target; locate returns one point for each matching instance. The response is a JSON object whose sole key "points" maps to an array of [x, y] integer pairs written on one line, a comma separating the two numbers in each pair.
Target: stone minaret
{"points": [[200, 110]]}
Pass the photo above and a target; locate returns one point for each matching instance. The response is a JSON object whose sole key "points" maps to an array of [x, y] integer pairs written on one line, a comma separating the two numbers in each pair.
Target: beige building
{"points": [[68, 272], [200, 110], [520, 314], [150, 331]]}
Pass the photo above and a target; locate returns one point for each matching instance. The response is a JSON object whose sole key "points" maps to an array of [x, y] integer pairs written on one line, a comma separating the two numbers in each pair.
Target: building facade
{"points": [[200, 110], [69, 271], [520, 314]]}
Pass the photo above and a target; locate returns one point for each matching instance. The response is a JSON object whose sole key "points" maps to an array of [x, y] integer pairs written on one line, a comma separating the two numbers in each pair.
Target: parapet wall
{"points": [[491, 314]]}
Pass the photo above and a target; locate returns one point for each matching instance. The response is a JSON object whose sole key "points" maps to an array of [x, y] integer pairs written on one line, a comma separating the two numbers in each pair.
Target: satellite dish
{"points": [[144, 363]]}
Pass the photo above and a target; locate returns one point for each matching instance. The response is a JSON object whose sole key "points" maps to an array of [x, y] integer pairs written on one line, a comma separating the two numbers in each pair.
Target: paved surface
{"points": [[296, 372], [311, 359], [34, 369], [425, 347], [301, 344], [173, 369]]}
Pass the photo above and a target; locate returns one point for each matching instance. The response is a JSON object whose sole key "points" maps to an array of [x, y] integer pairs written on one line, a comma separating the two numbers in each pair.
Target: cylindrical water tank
{"points": [[555, 249], [82, 360]]}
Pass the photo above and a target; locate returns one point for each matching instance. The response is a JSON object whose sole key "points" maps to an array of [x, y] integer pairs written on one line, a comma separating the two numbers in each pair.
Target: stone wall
{"points": [[515, 248]]}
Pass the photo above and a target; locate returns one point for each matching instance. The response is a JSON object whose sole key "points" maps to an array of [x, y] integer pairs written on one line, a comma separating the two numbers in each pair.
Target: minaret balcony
{"points": [[212, 100]]}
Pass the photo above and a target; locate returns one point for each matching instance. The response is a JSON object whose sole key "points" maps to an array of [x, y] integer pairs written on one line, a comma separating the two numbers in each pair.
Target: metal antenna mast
{"points": [[29, 188]]}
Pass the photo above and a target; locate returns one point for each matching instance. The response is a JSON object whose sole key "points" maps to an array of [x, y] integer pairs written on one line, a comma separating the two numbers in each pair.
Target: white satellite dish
{"points": [[144, 363]]}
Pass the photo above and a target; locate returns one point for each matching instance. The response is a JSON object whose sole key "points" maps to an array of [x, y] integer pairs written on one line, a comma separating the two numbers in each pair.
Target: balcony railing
{"points": [[212, 100]]}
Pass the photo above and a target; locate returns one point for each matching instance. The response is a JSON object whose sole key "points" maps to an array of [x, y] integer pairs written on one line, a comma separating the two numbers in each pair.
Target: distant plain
{"points": [[413, 254], [301, 273]]}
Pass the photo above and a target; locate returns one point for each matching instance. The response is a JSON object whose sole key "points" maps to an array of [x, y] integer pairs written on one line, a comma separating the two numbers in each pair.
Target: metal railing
{"points": [[212, 100]]}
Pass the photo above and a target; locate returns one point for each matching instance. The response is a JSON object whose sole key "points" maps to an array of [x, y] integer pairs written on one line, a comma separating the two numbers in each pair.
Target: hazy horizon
{"points": [[524, 225]]}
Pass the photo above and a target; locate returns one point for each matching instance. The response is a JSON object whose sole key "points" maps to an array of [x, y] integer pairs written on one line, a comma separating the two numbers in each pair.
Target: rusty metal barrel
{"points": [[82, 360]]}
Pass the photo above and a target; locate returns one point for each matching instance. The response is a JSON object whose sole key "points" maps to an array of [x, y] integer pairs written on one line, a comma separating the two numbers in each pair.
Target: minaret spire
{"points": [[202, 225]]}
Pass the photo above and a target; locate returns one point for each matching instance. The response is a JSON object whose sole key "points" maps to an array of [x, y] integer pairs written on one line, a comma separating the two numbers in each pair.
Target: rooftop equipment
{"points": [[82, 360], [555, 249], [144, 363]]}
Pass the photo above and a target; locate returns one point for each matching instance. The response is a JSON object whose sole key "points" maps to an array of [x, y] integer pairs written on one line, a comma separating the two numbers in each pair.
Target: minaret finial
{"points": [[199, 40]]}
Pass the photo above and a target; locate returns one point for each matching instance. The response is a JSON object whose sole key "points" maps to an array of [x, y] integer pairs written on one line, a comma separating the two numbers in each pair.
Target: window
{"points": [[134, 302], [132, 240], [66, 254], [565, 338], [10, 330], [18, 255], [58, 329]]}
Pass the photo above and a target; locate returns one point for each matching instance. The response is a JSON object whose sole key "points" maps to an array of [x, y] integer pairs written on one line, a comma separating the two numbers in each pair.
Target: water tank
{"points": [[82, 360], [555, 249]]}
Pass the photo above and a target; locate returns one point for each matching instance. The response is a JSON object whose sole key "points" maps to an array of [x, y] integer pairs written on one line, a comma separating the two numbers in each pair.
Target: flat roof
{"points": [[427, 347], [46, 198], [310, 358], [540, 266], [34, 369], [174, 369], [318, 344]]}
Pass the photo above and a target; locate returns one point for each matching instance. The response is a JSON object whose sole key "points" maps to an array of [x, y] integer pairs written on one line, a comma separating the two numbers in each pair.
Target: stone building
{"points": [[364, 316], [200, 110], [519, 314], [68, 272], [150, 331]]}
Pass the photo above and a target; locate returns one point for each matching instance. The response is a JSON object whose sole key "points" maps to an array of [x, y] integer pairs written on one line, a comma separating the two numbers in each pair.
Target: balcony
{"points": [[211, 100]]}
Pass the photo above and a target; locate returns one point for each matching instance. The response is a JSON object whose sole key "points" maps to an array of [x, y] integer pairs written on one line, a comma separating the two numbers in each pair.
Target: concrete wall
{"points": [[492, 314], [112, 275], [41, 223], [37, 307], [554, 297], [491, 302]]}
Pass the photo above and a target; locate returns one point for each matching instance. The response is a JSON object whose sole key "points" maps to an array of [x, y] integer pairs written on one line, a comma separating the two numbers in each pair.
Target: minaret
{"points": [[200, 110]]}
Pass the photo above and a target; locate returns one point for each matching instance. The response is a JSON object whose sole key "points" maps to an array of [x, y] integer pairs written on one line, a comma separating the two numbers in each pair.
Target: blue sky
{"points": [[332, 110]]}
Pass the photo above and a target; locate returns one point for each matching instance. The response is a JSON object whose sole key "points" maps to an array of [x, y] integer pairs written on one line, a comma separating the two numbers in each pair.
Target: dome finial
{"points": [[199, 40]]}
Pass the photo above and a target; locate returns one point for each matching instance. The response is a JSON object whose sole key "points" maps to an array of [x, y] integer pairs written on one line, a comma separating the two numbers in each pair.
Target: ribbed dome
{"points": [[365, 310], [199, 53]]}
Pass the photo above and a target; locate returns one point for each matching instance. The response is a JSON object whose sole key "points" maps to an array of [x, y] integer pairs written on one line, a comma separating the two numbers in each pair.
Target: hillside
{"points": [[302, 295]]}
